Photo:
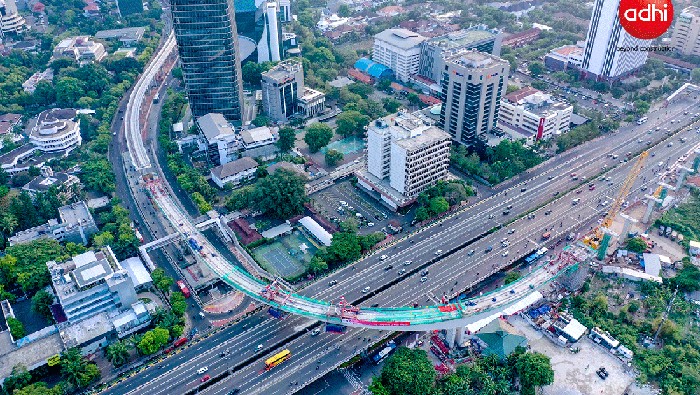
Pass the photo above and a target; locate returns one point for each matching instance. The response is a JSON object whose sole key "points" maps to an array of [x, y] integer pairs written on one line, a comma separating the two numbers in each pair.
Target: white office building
{"points": [[222, 140], [406, 154], [601, 58], [269, 45], [11, 22], [234, 172], [686, 32], [399, 50], [533, 115], [56, 130]]}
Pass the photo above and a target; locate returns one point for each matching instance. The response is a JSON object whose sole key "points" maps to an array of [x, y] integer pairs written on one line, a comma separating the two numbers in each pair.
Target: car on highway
{"points": [[506, 212], [202, 370], [504, 254], [423, 279], [575, 201], [365, 290], [438, 252], [315, 332], [402, 272], [406, 263], [383, 257], [511, 231], [470, 253], [205, 378], [332, 283], [488, 249], [389, 267]]}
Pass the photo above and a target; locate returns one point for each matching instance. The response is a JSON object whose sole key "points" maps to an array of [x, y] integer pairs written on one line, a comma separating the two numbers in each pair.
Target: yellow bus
{"points": [[277, 359]]}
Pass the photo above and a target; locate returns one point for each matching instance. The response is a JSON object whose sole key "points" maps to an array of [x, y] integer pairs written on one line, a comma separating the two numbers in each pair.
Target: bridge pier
{"points": [[459, 339]]}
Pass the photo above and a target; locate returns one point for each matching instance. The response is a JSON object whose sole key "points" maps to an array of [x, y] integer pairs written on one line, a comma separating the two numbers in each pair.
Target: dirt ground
{"points": [[574, 374]]}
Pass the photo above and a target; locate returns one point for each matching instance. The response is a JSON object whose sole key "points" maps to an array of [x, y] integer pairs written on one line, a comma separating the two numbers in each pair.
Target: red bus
{"points": [[180, 342], [183, 288]]}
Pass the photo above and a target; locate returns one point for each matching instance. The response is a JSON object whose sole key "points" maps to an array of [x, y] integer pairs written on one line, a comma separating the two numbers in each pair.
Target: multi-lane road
{"points": [[454, 235]]}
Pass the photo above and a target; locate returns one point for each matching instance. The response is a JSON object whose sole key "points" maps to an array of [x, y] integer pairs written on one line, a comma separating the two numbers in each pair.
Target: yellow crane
{"points": [[599, 238]]}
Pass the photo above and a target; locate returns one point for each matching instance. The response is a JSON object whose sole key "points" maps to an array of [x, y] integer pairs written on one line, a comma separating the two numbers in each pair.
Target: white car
{"points": [[202, 370], [407, 263], [370, 224], [423, 279], [343, 203], [438, 252], [365, 290], [315, 332], [505, 254], [383, 257]]}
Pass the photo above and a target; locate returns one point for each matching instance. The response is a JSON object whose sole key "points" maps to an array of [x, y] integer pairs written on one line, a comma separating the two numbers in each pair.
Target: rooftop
{"points": [[299, 169], [214, 125], [86, 330], [317, 230], [234, 167], [81, 271], [76, 213], [43, 184], [427, 137], [126, 34], [401, 38], [536, 102], [257, 135], [462, 38], [474, 59], [137, 271], [691, 11], [284, 71]]}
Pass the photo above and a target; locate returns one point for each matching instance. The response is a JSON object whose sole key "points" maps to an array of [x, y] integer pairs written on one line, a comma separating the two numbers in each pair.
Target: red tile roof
{"points": [[429, 100], [520, 94], [360, 76]]}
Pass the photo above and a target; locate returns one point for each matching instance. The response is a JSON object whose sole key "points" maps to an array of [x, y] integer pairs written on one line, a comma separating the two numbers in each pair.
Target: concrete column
{"points": [[450, 336], [681, 177], [650, 209], [626, 226], [459, 339]]}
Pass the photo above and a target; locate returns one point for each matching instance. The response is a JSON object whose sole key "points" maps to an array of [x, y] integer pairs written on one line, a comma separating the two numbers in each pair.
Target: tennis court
{"points": [[347, 145], [288, 255]]}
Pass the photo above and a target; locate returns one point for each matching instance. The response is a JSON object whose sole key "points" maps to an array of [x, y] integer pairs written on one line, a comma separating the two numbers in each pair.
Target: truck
{"points": [[156, 98], [335, 328], [183, 288], [138, 235], [674, 235], [546, 235], [383, 353], [193, 243]]}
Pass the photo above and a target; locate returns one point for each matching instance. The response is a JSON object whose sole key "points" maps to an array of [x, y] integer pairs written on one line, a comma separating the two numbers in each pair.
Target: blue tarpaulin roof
{"points": [[372, 68]]}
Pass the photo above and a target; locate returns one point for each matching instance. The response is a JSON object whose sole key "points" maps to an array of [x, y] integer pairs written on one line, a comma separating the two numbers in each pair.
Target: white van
{"points": [[641, 120]]}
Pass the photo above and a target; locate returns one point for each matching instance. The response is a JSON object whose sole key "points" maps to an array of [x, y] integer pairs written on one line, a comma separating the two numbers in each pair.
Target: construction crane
{"points": [[599, 238]]}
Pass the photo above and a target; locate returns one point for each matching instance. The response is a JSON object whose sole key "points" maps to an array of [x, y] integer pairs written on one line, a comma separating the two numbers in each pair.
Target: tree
{"points": [[695, 75], [377, 388], [280, 194], [637, 244], [8, 223], [318, 135], [345, 247], [162, 281], [391, 105], [16, 328], [118, 353], [317, 265], [38, 388], [511, 277], [351, 122], [77, 370], [153, 340], [344, 10], [44, 93], [413, 99], [408, 372], [534, 370], [68, 91], [439, 205], [261, 120], [103, 239], [178, 304], [19, 378], [41, 302], [287, 138], [536, 68], [333, 157], [687, 279]]}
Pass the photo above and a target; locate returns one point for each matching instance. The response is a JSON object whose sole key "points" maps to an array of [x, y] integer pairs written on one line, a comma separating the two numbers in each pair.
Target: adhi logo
{"points": [[646, 19]]}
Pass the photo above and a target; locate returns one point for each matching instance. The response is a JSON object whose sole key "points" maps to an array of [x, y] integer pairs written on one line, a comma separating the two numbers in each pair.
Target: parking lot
{"points": [[342, 201]]}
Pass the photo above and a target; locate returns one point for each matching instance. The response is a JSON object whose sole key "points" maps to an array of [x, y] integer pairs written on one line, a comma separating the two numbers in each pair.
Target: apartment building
{"points": [[399, 50], [686, 32]]}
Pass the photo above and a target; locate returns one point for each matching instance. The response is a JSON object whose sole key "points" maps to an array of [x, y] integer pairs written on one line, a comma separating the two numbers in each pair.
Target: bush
{"points": [[16, 328]]}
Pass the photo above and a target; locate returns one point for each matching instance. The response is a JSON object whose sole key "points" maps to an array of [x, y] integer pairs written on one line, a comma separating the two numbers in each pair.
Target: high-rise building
{"points": [[406, 154], [10, 20], [601, 58], [434, 50], [399, 50], [285, 10], [686, 32], [472, 85], [208, 46], [284, 93], [269, 45]]}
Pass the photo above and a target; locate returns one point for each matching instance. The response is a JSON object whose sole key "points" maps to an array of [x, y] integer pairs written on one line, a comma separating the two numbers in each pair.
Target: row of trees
{"points": [[77, 373], [439, 198], [280, 195], [410, 372], [496, 164]]}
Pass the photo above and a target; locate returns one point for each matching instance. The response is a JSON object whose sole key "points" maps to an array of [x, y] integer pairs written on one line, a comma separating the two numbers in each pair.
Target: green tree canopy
{"points": [[41, 301], [287, 138], [318, 135], [280, 194], [636, 244], [153, 340], [118, 352], [535, 370], [408, 372], [351, 122], [333, 157], [77, 370]]}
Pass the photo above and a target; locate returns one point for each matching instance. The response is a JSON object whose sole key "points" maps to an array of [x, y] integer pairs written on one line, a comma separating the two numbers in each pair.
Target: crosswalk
{"points": [[355, 381]]}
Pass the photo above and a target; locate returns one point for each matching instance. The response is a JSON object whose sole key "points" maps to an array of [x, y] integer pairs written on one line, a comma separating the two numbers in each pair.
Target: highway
{"points": [[585, 160]]}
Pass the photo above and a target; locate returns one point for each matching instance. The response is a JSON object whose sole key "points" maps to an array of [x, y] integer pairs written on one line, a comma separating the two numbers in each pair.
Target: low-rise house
{"points": [[80, 48], [235, 172]]}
